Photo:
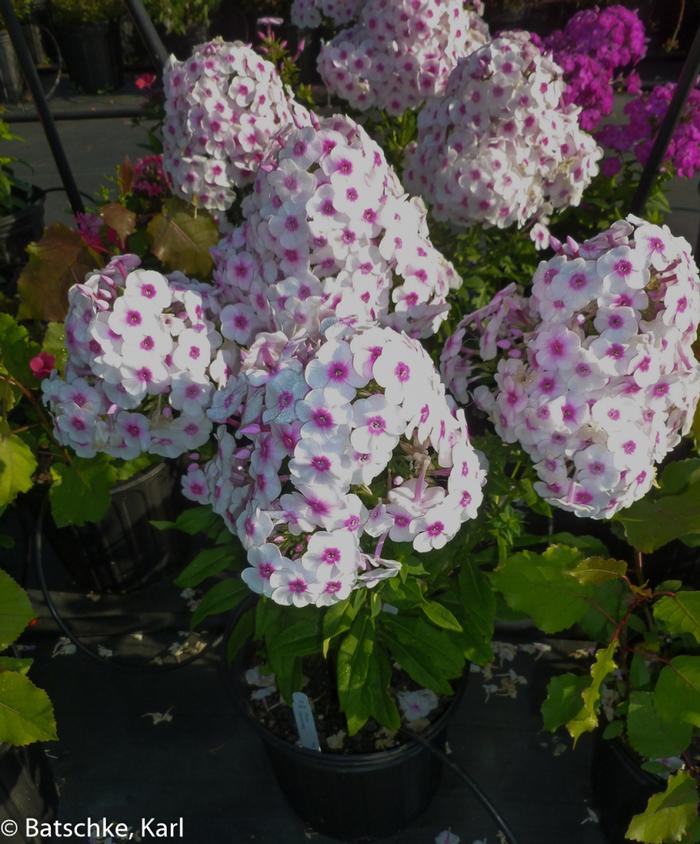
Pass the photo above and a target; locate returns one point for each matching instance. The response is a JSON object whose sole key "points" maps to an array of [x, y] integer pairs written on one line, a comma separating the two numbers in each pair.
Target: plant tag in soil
{"points": [[304, 718]]}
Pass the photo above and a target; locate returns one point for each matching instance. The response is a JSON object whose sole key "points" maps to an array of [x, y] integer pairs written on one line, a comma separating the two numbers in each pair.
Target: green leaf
{"points": [[220, 598], [80, 492], [15, 610], [608, 601], [595, 570], [680, 614], [587, 544], [206, 564], [57, 262], [478, 612], [613, 730], [563, 700], [650, 734], [640, 675], [16, 350], [241, 633], [26, 713], [336, 620], [431, 657], [651, 523], [11, 663], [677, 692], [541, 586], [54, 343], [441, 616], [586, 719], [196, 520], [669, 814], [353, 669], [181, 238], [17, 466]]}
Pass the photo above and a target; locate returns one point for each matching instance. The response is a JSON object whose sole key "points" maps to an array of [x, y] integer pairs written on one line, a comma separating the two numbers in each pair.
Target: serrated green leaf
{"points": [[680, 614], [563, 700], [80, 492], [17, 466], [54, 343], [440, 616], [11, 663], [541, 586], [651, 523], [607, 601], [206, 564], [669, 814], [677, 691], [26, 713], [595, 570], [650, 734], [220, 598], [587, 717], [15, 610], [181, 238]]}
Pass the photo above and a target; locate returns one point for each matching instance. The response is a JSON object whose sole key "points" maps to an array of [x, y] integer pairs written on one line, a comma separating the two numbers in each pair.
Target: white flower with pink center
{"points": [[224, 108], [328, 232], [128, 331], [346, 434], [600, 395], [498, 145], [264, 561]]}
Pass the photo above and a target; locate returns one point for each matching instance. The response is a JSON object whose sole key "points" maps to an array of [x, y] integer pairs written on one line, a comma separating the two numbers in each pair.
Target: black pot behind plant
{"points": [[124, 551], [621, 788], [182, 46], [19, 228], [351, 796], [27, 790], [12, 85], [92, 55]]}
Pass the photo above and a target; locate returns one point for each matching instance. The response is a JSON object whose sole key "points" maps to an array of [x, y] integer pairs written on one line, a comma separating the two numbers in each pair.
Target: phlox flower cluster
{"points": [[223, 108], [499, 147], [149, 180], [309, 14], [328, 231], [400, 52], [331, 447], [644, 115], [595, 47], [595, 373], [142, 353]]}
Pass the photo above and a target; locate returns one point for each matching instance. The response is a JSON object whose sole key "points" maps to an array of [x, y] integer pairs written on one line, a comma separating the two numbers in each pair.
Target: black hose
{"points": [[473, 785], [225, 670], [79, 644]]}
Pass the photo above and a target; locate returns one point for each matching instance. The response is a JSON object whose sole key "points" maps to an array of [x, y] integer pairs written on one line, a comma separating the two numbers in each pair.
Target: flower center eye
{"points": [[321, 464], [148, 290], [133, 318], [435, 529]]}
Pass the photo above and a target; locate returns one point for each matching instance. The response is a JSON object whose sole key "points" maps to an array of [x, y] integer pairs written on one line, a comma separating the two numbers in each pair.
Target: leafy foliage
{"points": [[669, 815], [181, 238]]}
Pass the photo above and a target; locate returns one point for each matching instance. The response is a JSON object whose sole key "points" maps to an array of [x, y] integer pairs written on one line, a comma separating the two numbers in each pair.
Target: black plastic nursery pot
{"points": [[19, 229], [352, 797], [182, 46], [12, 87], [92, 55], [621, 788], [27, 791], [124, 551]]}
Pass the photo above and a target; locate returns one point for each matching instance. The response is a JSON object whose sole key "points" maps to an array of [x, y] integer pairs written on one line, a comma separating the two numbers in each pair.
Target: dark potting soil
{"points": [[331, 724]]}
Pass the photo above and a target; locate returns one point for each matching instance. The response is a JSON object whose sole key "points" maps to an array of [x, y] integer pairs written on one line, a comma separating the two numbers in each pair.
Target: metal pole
{"points": [[32, 79], [686, 82], [148, 33]]}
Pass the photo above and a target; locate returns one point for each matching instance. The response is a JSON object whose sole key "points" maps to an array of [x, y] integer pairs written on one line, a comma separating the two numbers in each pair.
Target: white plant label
{"points": [[304, 717]]}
